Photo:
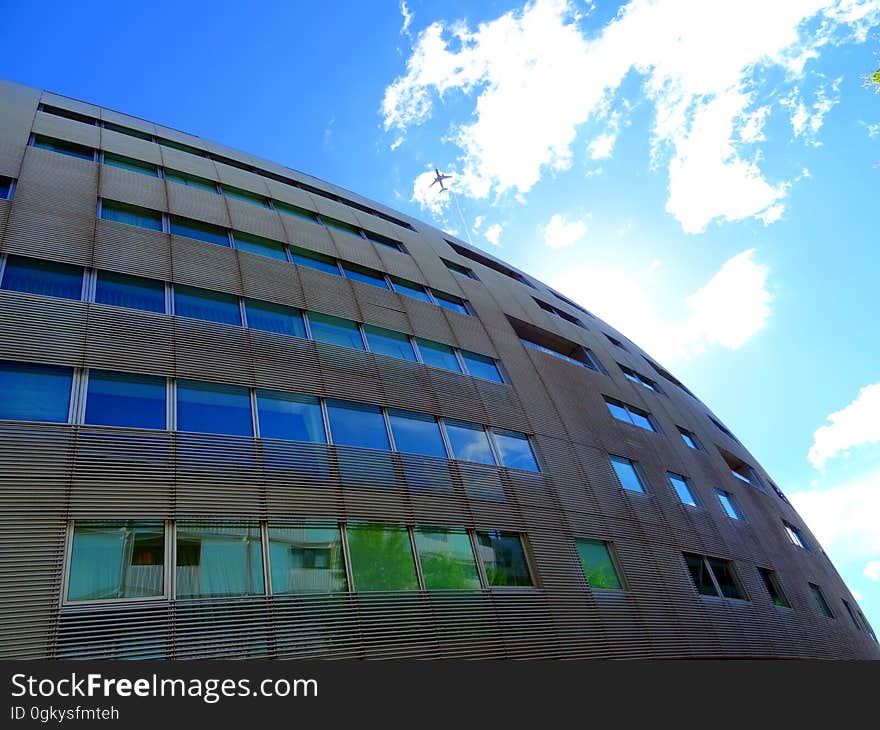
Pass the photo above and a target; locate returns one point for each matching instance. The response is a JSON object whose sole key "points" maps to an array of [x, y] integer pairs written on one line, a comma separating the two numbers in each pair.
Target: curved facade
{"points": [[247, 413]]}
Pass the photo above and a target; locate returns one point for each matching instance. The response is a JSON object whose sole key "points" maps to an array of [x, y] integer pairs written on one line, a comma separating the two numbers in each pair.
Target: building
{"points": [[247, 413]]}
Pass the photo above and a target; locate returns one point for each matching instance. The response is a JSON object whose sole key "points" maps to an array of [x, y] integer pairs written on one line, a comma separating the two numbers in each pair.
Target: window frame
{"points": [[637, 469], [719, 594], [615, 564]]}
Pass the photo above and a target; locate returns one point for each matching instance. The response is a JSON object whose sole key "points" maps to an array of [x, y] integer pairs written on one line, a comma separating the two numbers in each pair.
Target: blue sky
{"points": [[700, 174]]}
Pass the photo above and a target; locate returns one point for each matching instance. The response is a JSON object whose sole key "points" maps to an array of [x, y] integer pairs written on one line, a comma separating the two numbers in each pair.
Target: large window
{"points": [[446, 558], [630, 414], [217, 560], [599, 568], [316, 261], [245, 196], [381, 558], [628, 473], [34, 392], [213, 306], [416, 433], [388, 342], [213, 408], [290, 416], [366, 276], [447, 301], [504, 558], [134, 292], [260, 246], [515, 450], [131, 164], [469, 442], [730, 505], [819, 598], [274, 318], [713, 576], [682, 488], [481, 366], [335, 330], [112, 560], [132, 215], [341, 226], [191, 181], [438, 355], [294, 210], [306, 559], [5, 187], [121, 399], [410, 289], [71, 149], [49, 278], [357, 424], [200, 231], [774, 587]]}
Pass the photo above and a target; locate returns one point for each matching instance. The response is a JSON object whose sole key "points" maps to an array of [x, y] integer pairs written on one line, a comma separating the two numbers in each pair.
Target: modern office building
{"points": [[247, 413]]}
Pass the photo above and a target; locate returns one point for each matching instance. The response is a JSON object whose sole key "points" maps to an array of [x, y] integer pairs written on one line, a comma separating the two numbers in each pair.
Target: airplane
{"points": [[439, 179]]}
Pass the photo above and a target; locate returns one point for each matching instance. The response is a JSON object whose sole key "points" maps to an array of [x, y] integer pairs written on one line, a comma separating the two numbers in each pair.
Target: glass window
{"points": [[723, 572], [260, 246], [200, 231], [383, 241], [641, 420], [245, 196], [682, 489], [357, 424], [469, 442], [70, 149], [122, 399], [852, 614], [627, 473], [5, 187], [306, 559], [795, 536], [701, 575], [623, 412], [481, 366], [408, 288], [316, 261], [729, 504], [438, 355], [134, 292], [34, 392], [447, 301], [504, 558], [381, 558], [170, 143], [335, 330], [820, 600], [274, 318], [294, 210], [416, 433], [191, 181], [459, 269], [213, 408], [49, 278], [690, 439], [366, 276], [713, 576], [598, 565], [290, 416], [388, 342], [618, 411], [132, 215], [130, 164], [218, 560], [127, 130], [111, 560], [774, 588], [338, 225], [447, 559], [515, 450], [213, 306]]}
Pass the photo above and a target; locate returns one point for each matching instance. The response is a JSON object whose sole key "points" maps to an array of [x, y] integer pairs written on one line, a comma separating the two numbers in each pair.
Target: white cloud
{"points": [[857, 595], [559, 233], [872, 570], [806, 123], [536, 78], [855, 425], [873, 130], [408, 16], [429, 196], [493, 234], [727, 311], [844, 516]]}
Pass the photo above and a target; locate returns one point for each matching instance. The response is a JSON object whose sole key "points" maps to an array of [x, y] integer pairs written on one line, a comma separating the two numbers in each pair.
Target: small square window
{"points": [[795, 536], [598, 564], [503, 558], [713, 576], [6, 184], [682, 488], [819, 598], [123, 399], [730, 505], [690, 439], [774, 587]]}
